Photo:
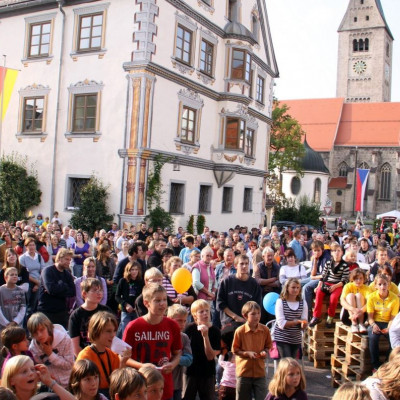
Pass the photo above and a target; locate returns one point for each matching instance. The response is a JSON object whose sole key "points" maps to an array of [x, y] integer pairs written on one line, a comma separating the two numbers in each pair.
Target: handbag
{"points": [[273, 351]]}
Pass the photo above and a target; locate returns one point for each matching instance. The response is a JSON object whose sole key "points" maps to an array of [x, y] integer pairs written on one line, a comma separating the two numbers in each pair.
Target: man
{"points": [[235, 291], [184, 255], [114, 228], [257, 255], [143, 232], [56, 284], [69, 240], [175, 246], [155, 259], [226, 267], [61, 240], [296, 246], [180, 233]]}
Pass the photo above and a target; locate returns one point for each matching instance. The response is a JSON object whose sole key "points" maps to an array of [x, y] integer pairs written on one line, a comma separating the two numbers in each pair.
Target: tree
{"points": [[19, 187], [200, 224], [92, 213]]}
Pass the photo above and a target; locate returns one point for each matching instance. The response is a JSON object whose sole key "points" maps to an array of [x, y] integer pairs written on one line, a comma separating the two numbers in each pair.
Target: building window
{"points": [[366, 44], [260, 89], [248, 199], [387, 50], [249, 143], [367, 17], [85, 111], [386, 173], [90, 32], [241, 65], [227, 196], [33, 115], [234, 136], [317, 191], [233, 13], [355, 19], [176, 198], [343, 169], [188, 125], [295, 185], [183, 49], [39, 39], [206, 57], [75, 186], [355, 45], [205, 199], [255, 26], [361, 1]]}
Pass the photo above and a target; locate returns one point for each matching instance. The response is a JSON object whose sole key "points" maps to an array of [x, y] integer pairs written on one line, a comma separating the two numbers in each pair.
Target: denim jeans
{"points": [[308, 293], [374, 343], [125, 319]]}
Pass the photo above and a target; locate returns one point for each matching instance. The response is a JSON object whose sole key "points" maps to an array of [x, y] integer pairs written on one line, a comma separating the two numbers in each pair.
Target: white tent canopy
{"points": [[394, 213]]}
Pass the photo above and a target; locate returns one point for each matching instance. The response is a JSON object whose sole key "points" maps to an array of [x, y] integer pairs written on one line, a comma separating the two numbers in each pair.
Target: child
{"points": [[351, 259], [354, 301], [381, 260], [205, 341], [127, 383], [386, 270], [155, 338], [14, 343], [12, 299], [288, 382], [179, 313], [84, 381], [352, 391], [154, 382], [128, 290], [227, 386], [382, 307], [102, 329], [250, 346], [92, 293], [334, 276], [51, 345]]}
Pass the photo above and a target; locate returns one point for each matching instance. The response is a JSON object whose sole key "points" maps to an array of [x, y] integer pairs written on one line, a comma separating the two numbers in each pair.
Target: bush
{"points": [[200, 224], [92, 213], [159, 217], [190, 225], [19, 188]]}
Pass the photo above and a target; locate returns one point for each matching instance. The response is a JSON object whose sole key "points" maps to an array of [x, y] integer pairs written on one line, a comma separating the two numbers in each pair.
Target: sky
{"points": [[305, 39]]}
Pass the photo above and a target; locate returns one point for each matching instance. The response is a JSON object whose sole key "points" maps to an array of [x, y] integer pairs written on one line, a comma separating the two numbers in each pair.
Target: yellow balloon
{"points": [[181, 280]]}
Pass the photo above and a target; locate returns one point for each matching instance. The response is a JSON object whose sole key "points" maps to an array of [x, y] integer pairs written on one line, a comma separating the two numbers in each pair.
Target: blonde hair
{"points": [[171, 261], [250, 306], [150, 290], [9, 269], [394, 353], [64, 253], [198, 305], [352, 391], [285, 290], [14, 364], [152, 375], [151, 273], [277, 386], [177, 310], [388, 374]]}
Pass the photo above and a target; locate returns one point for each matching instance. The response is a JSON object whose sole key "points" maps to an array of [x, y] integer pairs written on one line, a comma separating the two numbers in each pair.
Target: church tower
{"points": [[365, 54]]}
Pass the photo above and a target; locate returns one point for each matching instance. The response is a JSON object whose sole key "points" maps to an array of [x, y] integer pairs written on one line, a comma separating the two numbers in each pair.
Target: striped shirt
{"points": [[335, 273], [290, 335]]}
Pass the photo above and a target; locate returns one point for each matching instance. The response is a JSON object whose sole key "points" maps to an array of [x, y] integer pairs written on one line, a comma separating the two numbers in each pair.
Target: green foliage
{"points": [[376, 224], [190, 225], [200, 224], [19, 188], [92, 213], [159, 217], [305, 211], [285, 210]]}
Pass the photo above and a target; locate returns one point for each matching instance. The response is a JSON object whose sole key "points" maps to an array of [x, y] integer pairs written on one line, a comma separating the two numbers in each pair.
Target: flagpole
{"points": [[2, 101]]}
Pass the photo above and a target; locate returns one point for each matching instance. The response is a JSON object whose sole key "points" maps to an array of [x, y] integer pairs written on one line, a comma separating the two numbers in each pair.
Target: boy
{"points": [[127, 384], [154, 338], [250, 346], [12, 300], [381, 260], [92, 293], [179, 313]]}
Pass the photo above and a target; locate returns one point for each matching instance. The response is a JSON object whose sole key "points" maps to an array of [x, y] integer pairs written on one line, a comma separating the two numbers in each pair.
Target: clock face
{"points": [[359, 67]]}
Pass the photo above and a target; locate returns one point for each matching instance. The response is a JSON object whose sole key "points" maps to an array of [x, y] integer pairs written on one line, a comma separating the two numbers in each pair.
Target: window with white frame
{"points": [[227, 199], [206, 57], [205, 199], [75, 185], [249, 142], [241, 65], [188, 124], [183, 47], [248, 199], [176, 198]]}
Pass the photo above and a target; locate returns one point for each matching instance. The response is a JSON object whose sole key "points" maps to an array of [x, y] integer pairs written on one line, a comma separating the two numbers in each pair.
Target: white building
{"points": [[115, 83]]}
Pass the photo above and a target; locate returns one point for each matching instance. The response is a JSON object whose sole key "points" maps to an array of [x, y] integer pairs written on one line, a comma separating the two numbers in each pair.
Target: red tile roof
{"points": [[338, 183]]}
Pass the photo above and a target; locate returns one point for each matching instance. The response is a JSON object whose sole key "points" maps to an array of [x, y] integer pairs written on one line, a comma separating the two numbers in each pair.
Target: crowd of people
{"points": [[106, 320]]}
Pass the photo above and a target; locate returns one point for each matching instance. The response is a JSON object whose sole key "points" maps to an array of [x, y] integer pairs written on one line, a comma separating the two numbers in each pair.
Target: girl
{"points": [[351, 258], [11, 260], [52, 346], [352, 391], [382, 307], [102, 329], [354, 301], [15, 343], [194, 258], [81, 250], [291, 317], [128, 290], [154, 381], [105, 268], [288, 382], [84, 381], [386, 270], [227, 386], [22, 377], [334, 276]]}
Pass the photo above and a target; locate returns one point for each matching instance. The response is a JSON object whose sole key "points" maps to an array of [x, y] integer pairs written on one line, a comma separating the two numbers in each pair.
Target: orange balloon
{"points": [[181, 280]]}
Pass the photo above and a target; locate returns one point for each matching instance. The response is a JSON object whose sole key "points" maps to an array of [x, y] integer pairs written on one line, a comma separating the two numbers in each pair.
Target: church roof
{"points": [[380, 8], [331, 122], [338, 183], [312, 161]]}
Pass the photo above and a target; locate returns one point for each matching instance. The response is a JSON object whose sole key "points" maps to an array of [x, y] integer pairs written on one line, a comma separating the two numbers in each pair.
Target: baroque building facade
{"points": [[107, 86]]}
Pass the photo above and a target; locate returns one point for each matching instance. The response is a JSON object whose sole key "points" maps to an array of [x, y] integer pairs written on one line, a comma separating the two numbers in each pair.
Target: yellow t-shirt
{"points": [[392, 288], [382, 309], [352, 288]]}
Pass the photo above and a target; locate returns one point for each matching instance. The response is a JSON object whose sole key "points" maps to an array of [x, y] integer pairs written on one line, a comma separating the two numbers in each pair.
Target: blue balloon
{"points": [[269, 302]]}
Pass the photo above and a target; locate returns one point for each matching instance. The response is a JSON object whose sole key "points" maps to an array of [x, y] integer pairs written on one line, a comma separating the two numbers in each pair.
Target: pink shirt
{"points": [[229, 375]]}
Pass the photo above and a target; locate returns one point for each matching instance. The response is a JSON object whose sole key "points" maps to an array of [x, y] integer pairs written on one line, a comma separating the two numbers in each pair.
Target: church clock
{"points": [[359, 67]]}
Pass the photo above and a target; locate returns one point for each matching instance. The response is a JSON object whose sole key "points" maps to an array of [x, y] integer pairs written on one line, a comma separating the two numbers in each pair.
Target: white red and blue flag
{"points": [[361, 186]]}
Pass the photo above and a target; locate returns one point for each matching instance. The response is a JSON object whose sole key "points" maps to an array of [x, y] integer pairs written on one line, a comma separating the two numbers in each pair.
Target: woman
{"points": [[45, 239], [34, 263], [22, 377], [194, 258], [10, 243], [54, 247], [203, 275], [11, 260], [291, 317], [105, 268], [81, 250], [124, 251], [293, 269]]}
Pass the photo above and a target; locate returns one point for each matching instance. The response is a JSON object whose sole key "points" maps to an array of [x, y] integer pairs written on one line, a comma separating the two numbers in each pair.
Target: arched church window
{"points": [[363, 165], [366, 44], [386, 173], [295, 185], [317, 191], [361, 45], [343, 169], [355, 45]]}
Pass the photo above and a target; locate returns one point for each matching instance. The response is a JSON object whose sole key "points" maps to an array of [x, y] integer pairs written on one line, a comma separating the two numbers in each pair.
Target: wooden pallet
{"points": [[349, 371]]}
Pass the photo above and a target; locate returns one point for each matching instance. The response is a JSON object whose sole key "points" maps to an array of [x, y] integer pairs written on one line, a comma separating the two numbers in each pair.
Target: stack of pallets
{"points": [[351, 360]]}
